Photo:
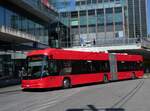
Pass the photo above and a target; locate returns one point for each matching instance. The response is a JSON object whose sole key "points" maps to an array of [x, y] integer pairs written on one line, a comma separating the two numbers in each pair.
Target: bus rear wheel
{"points": [[133, 75], [66, 83], [105, 79]]}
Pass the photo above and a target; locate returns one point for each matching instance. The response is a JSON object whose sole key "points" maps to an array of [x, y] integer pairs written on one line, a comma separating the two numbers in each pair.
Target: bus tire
{"points": [[133, 75], [66, 83], [105, 79]]}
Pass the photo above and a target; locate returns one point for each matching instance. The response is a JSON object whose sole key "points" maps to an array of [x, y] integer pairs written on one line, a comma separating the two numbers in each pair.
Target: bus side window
{"points": [[76, 67], [66, 68], [141, 65], [52, 67]]}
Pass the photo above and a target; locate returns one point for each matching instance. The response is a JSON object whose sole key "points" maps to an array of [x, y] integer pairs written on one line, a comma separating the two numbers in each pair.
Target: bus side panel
{"points": [[139, 74], [109, 76], [128, 74], [46, 82], [86, 78], [55, 81], [124, 75]]}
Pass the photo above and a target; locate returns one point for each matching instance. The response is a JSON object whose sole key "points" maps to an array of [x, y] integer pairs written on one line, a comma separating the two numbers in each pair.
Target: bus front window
{"points": [[37, 67]]}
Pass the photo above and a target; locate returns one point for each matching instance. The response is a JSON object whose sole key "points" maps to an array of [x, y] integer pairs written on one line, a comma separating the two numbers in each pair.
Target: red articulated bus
{"points": [[51, 68]]}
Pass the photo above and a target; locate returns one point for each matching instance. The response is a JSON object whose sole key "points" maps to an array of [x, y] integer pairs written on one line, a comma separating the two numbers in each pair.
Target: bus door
{"points": [[113, 67]]}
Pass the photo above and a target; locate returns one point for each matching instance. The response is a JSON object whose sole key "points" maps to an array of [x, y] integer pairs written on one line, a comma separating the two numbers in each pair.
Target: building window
{"points": [[118, 14], [112, 0], [88, 1], [100, 1], [83, 2], [106, 0], [74, 22], [100, 16], [91, 17], [118, 10], [83, 29], [119, 26], [100, 28], [83, 20], [77, 3], [109, 15], [64, 14], [94, 1], [92, 29], [109, 27], [74, 14], [82, 13], [91, 12], [117, 1], [75, 30]]}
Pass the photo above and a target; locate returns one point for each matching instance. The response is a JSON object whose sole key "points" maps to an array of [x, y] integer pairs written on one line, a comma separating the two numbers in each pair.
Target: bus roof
{"points": [[79, 55], [121, 57], [70, 55]]}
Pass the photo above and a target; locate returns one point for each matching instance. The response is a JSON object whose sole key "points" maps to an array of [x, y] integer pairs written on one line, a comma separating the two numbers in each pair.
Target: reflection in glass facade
{"points": [[43, 5], [63, 5], [102, 19], [16, 21]]}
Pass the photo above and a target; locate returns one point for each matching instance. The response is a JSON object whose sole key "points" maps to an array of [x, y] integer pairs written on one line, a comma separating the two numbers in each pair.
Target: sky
{"points": [[148, 18]]}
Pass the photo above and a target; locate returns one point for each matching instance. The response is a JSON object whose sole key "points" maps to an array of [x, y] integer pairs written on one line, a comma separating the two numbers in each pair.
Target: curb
{"points": [[146, 76]]}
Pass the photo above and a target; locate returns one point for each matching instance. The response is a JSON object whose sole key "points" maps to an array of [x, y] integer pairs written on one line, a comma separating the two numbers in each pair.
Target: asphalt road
{"points": [[130, 95]]}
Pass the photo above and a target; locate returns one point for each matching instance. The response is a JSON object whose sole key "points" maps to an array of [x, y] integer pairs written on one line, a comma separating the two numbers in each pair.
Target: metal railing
{"points": [[17, 33], [103, 42], [145, 43], [117, 41]]}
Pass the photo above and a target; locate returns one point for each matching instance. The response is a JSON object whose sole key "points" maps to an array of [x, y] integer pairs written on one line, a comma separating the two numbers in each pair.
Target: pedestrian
{"points": [[22, 73], [94, 42], [81, 41]]}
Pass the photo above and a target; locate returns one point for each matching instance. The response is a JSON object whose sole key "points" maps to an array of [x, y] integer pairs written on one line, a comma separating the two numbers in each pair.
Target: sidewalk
{"points": [[8, 89], [146, 75]]}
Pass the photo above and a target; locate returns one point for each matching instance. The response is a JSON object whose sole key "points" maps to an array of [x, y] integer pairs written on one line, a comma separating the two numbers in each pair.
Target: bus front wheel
{"points": [[66, 83]]}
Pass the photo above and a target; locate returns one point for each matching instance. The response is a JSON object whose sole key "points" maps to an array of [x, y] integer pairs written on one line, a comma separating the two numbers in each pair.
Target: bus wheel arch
{"points": [[66, 83]]}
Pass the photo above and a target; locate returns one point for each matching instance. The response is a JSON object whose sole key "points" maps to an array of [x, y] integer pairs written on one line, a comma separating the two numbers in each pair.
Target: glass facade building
{"points": [[17, 21], [20, 20], [104, 19], [137, 18]]}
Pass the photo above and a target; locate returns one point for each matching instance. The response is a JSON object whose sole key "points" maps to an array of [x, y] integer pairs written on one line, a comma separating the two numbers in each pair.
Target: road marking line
{"points": [[44, 106], [51, 103]]}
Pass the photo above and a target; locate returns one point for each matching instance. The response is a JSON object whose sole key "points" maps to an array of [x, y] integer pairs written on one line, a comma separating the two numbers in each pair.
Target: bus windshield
{"points": [[37, 67]]}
